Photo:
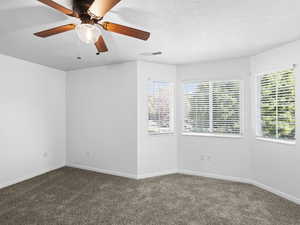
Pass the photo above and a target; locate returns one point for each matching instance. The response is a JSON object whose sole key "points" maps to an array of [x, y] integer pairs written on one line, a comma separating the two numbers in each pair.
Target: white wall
{"points": [[32, 118], [215, 156], [157, 154], [102, 119], [278, 165], [107, 123]]}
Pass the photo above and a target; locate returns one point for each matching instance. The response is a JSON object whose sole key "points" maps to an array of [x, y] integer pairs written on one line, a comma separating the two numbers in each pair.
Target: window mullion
{"points": [[210, 107], [159, 102], [276, 102]]}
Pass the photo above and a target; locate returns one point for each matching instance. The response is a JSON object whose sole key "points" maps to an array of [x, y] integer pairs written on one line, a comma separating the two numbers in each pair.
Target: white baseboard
{"points": [[104, 171], [215, 176], [276, 192], [242, 180], [122, 174], [157, 174], [28, 176]]}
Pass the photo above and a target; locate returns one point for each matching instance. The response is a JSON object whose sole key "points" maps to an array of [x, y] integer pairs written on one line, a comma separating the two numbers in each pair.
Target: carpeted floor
{"points": [[72, 196]]}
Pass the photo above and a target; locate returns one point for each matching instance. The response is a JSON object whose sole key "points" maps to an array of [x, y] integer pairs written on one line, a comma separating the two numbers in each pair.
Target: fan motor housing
{"points": [[81, 6]]}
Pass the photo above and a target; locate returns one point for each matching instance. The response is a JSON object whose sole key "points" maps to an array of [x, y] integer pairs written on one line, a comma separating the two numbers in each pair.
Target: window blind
{"points": [[197, 107], [276, 105], [212, 107], [160, 107], [226, 107]]}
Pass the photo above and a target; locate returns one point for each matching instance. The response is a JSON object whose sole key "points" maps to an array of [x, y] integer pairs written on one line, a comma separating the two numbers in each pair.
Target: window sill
{"points": [[162, 134], [212, 135], [276, 141]]}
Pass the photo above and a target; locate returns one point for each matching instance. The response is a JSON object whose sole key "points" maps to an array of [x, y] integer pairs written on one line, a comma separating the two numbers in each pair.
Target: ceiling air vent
{"points": [[151, 53]]}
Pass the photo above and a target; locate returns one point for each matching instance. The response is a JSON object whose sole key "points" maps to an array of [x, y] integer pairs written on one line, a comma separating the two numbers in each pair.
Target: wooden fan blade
{"points": [[58, 7], [56, 30], [100, 45], [131, 32], [100, 7]]}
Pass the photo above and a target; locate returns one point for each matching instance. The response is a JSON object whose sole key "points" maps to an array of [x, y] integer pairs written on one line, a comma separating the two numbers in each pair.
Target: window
{"points": [[160, 107], [276, 106], [212, 107]]}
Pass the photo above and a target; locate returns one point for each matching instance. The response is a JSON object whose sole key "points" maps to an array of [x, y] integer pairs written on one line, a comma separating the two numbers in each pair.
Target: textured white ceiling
{"points": [[184, 30]]}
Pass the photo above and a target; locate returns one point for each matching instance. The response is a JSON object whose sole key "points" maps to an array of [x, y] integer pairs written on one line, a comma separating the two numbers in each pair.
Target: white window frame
{"points": [[172, 109], [257, 103], [220, 135]]}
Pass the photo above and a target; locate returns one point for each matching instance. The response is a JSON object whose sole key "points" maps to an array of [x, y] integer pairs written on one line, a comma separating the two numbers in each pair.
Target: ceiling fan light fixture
{"points": [[90, 13], [88, 33]]}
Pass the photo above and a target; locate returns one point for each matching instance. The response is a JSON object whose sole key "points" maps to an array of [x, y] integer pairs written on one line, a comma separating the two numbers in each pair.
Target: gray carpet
{"points": [[72, 196]]}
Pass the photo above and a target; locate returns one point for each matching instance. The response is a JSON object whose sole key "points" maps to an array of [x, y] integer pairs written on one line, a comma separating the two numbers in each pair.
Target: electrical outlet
{"points": [[45, 154]]}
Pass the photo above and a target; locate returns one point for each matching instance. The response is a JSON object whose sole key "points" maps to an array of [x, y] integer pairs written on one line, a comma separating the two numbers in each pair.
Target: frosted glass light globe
{"points": [[88, 33]]}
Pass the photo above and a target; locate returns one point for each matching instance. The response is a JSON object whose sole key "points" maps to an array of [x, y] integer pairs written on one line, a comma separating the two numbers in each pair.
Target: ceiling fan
{"points": [[91, 13]]}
